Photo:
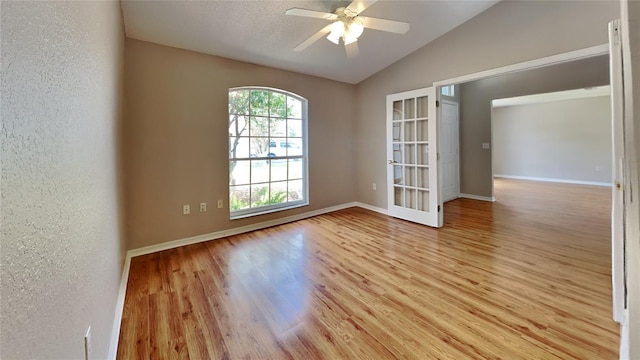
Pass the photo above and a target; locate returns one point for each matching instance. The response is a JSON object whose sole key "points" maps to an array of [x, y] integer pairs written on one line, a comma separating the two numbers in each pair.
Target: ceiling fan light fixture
{"points": [[353, 32], [334, 39], [337, 29], [346, 23], [349, 39], [356, 28]]}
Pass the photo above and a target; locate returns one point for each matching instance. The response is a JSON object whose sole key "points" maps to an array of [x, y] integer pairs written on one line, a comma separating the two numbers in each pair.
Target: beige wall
{"points": [[176, 139], [566, 140], [475, 110], [62, 248], [507, 33]]}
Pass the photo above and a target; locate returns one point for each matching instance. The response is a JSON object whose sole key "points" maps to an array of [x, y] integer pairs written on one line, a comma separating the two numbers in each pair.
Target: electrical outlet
{"points": [[485, 146], [186, 209], [203, 207], [220, 204], [87, 344], [374, 186]]}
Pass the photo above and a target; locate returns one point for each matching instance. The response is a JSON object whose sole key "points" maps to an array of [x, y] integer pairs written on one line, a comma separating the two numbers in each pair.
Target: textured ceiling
{"points": [[259, 32]]}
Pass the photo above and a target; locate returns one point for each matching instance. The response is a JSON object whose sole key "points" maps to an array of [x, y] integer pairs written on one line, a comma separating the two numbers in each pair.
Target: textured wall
{"points": [[176, 136], [565, 140], [61, 239], [507, 33]]}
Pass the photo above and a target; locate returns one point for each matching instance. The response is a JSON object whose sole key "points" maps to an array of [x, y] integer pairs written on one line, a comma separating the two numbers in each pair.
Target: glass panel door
{"points": [[412, 157]]}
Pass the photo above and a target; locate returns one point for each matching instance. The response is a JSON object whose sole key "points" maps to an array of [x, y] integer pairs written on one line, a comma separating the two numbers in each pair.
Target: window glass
{"points": [[267, 151]]}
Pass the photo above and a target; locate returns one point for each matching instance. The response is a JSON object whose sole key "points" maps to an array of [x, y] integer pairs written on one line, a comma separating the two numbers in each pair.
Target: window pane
{"points": [[259, 126], [278, 127], [259, 146], [238, 125], [294, 128], [278, 192], [238, 147], [295, 168], [239, 172], [295, 107], [238, 197], [259, 171], [259, 102], [294, 147], [239, 102], [259, 195], [295, 190], [278, 170], [278, 105]]}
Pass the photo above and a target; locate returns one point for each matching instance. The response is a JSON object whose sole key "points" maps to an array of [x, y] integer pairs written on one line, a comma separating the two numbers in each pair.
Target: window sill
{"points": [[268, 211]]}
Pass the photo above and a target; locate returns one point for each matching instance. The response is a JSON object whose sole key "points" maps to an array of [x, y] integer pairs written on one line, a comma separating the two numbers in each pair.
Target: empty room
{"points": [[319, 179]]}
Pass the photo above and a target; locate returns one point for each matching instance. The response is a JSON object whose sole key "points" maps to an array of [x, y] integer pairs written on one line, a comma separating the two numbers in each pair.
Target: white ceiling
{"points": [[259, 32]]}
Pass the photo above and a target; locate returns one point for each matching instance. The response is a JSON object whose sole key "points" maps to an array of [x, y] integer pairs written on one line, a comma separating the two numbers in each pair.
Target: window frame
{"points": [[304, 157]]}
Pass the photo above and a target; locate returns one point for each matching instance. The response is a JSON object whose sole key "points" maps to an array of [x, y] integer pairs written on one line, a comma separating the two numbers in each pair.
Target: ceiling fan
{"points": [[346, 23]]}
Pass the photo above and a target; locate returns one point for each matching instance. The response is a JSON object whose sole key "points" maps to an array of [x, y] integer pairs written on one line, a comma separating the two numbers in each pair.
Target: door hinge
{"points": [[437, 103], [438, 156], [438, 208]]}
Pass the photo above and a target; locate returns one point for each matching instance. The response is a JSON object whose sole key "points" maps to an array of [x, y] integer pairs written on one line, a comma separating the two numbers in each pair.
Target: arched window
{"points": [[267, 151]]}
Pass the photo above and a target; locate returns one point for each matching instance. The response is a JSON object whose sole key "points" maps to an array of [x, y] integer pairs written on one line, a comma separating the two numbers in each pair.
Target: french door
{"points": [[412, 157]]}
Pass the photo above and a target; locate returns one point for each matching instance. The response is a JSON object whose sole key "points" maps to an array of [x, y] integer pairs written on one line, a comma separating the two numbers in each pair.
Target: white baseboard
{"points": [[565, 181], [477, 197], [234, 231], [122, 292], [372, 208]]}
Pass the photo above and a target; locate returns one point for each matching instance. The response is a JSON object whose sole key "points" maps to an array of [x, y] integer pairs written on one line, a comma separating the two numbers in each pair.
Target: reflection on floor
{"points": [[526, 277]]}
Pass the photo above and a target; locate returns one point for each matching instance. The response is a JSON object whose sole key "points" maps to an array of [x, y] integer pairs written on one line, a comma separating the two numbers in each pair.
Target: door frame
{"points": [[523, 66]]}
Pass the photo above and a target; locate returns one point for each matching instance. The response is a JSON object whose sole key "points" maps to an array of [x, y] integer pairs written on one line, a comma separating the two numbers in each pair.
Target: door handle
{"points": [[392, 161], [618, 185]]}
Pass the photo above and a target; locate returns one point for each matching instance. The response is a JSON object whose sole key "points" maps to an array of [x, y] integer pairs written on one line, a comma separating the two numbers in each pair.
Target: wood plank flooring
{"points": [[527, 277]]}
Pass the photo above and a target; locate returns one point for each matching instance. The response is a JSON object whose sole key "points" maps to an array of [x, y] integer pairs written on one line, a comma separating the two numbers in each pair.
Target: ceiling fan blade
{"points": [[313, 38], [352, 50], [358, 6], [393, 26], [311, 14]]}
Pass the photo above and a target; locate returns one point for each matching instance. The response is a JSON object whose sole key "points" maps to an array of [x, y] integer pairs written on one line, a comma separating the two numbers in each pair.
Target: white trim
{"points": [[477, 197], [234, 231], [565, 181], [528, 65], [117, 321], [372, 208]]}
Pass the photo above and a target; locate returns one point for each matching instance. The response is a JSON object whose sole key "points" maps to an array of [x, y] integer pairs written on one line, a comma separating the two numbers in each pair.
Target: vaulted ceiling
{"points": [[259, 32]]}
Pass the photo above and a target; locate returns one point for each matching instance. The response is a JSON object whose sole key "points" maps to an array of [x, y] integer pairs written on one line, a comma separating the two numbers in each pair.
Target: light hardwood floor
{"points": [[527, 277]]}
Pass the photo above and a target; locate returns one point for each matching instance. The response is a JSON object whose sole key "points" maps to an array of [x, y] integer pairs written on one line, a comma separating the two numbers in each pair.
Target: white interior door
{"points": [[449, 145], [412, 170]]}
